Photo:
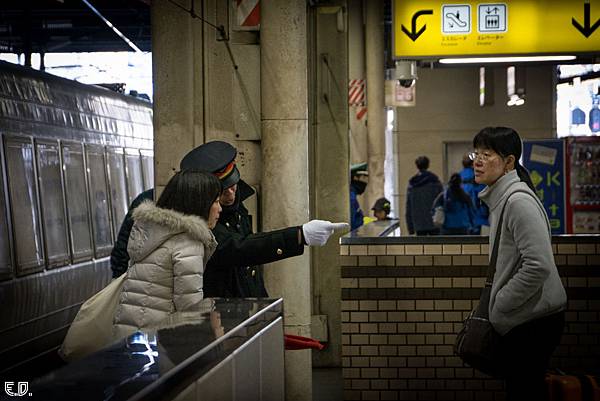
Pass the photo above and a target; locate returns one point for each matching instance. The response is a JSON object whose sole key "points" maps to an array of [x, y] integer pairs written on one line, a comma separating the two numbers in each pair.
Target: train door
{"points": [[133, 172], [23, 195], [78, 210], [6, 260], [54, 220], [118, 186], [99, 200], [148, 168]]}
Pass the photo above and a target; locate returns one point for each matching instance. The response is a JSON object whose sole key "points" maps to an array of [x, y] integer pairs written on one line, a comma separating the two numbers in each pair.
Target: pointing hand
{"points": [[317, 232]]}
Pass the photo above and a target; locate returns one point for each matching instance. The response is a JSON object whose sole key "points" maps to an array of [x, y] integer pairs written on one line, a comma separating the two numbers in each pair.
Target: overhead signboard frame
{"points": [[424, 29]]}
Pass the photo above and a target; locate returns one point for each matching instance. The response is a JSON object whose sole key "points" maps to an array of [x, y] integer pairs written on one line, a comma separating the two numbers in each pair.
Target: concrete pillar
{"points": [[285, 199], [375, 101], [330, 158], [356, 70], [177, 69], [397, 185], [357, 118]]}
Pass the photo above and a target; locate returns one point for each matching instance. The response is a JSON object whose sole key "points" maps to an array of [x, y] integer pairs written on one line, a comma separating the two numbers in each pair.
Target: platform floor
{"points": [[327, 384]]}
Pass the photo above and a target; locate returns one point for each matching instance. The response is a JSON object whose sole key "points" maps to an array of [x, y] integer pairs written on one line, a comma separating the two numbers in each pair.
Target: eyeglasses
{"points": [[484, 156]]}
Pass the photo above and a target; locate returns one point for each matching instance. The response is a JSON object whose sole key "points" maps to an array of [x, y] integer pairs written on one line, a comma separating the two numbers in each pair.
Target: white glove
{"points": [[317, 232]]}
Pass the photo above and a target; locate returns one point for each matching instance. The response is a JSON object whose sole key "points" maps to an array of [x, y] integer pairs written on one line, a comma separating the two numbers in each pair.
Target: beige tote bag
{"points": [[92, 328]]}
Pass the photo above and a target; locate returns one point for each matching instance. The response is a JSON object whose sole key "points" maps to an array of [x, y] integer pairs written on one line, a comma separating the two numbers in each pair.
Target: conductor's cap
{"points": [[216, 157]]}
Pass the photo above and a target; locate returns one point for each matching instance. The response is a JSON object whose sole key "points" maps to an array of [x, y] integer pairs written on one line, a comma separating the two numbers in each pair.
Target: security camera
{"points": [[406, 73], [406, 83]]}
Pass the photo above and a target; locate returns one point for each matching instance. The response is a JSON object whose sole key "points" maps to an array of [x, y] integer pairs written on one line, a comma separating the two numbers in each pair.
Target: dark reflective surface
{"points": [[374, 229], [164, 361]]}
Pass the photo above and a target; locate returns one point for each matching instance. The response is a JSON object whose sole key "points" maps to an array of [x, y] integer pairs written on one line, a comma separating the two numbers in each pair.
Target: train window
{"points": [[118, 187], [96, 168], [53, 204], [24, 205], [6, 268], [135, 184], [77, 204], [148, 168]]}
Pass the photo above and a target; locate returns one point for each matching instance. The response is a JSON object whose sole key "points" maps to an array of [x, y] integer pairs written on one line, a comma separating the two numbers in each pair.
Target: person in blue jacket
{"points": [[480, 209], [358, 184], [458, 209]]}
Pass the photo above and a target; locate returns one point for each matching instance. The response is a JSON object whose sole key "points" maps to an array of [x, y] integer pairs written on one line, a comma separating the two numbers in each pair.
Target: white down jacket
{"points": [[168, 251]]}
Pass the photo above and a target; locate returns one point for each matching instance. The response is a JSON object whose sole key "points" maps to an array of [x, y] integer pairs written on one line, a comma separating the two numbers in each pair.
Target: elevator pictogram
{"points": [[492, 17]]}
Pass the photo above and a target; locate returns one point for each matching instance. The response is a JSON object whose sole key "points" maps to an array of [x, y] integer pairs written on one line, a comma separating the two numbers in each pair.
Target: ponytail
{"points": [[524, 176]]}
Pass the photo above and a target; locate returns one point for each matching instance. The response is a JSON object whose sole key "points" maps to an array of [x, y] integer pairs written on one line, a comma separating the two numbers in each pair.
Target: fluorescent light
{"points": [[515, 100], [483, 60]]}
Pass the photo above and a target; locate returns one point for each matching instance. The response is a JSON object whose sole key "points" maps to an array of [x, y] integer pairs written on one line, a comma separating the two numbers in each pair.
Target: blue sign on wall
{"points": [[545, 161]]}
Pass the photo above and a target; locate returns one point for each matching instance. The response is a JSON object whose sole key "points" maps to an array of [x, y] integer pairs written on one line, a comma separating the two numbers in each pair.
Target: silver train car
{"points": [[72, 158]]}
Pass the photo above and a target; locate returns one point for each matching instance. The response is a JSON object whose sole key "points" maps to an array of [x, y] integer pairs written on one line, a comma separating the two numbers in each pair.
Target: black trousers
{"points": [[435, 231], [455, 231], [526, 352]]}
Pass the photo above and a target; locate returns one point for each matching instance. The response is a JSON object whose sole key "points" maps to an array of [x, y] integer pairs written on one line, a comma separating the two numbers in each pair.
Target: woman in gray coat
{"points": [[527, 300], [169, 245]]}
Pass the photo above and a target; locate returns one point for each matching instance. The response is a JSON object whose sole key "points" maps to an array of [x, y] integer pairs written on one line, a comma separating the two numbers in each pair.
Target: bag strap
{"points": [[492, 266], [440, 199]]}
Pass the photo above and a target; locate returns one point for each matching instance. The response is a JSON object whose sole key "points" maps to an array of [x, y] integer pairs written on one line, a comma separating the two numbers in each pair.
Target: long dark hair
{"points": [[191, 192], [456, 190], [504, 141]]}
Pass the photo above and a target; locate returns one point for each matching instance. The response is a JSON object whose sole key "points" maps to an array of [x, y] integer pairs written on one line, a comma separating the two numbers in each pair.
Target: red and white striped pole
{"points": [[248, 14], [356, 97]]}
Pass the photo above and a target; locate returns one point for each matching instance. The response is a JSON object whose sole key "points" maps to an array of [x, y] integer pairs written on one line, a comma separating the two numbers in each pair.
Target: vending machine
{"points": [[566, 176], [583, 182]]}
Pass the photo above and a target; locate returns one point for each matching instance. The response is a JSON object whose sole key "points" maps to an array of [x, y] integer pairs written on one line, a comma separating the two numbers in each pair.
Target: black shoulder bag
{"points": [[477, 343]]}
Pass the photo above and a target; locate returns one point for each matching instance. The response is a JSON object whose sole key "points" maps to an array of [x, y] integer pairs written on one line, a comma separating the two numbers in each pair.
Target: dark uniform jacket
{"points": [[232, 271], [119, 258]]}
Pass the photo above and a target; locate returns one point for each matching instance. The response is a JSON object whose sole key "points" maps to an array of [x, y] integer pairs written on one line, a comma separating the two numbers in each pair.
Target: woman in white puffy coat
{"points": [[169, 245]]}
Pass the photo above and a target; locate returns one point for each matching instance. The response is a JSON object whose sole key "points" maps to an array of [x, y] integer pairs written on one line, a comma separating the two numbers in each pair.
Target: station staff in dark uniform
{"points": [[233, 269], [119, 258]]}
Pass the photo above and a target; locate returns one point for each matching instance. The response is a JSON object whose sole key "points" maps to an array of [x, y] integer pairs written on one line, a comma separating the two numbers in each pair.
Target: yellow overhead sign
{"points": [[427, 28]]}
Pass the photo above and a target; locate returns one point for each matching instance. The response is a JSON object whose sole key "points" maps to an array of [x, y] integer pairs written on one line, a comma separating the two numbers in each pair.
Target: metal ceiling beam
{"points": [[111, 26]]}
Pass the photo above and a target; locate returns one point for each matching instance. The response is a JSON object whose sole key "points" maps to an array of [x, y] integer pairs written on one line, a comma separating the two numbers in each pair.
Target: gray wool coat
{"points": [[168, 252], [526, 285]]}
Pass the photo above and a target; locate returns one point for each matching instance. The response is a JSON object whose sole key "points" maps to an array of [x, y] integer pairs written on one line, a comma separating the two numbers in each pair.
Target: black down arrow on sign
{"points": [[413, 34], [586, 29]]}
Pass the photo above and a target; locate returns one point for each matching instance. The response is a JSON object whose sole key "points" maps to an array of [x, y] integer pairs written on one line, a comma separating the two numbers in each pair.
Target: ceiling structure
{"points": [[61, 26]]}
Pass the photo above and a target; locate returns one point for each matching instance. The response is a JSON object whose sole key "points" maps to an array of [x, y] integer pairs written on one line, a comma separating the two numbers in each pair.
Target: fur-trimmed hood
{"points": [[154, 225]]}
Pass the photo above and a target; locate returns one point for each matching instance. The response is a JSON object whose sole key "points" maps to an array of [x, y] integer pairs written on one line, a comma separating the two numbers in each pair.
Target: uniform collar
{"points": [[243, 192]]}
